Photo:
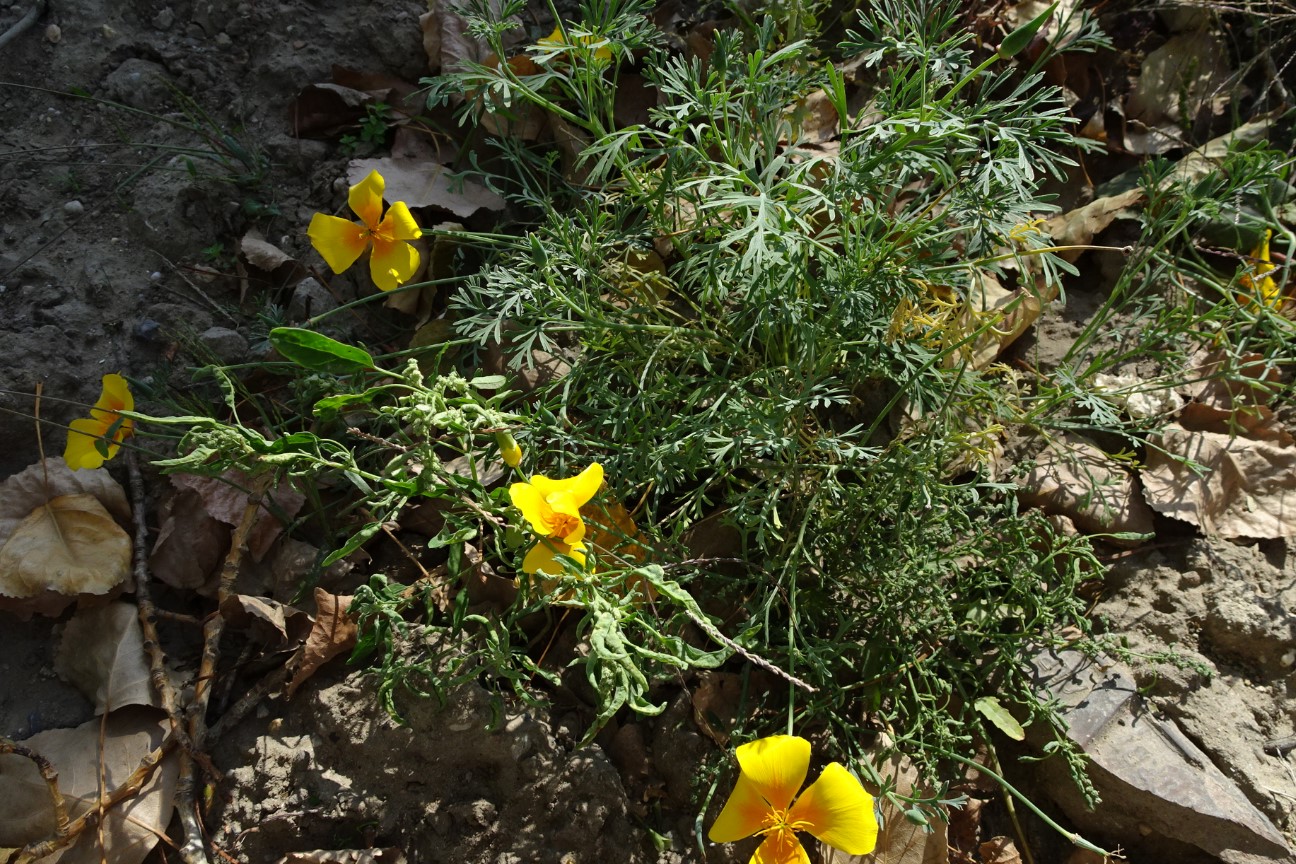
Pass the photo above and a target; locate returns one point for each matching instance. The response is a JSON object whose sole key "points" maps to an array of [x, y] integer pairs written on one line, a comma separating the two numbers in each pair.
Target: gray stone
{"points": [[1155, 783], [309, 299], [164, 19], [138, 83], [228, 346], [74, 208]]}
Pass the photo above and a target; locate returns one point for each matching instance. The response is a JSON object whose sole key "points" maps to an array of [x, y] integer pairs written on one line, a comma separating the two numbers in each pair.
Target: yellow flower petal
{"points": [[777, 766], [338, 241], [779, 848], [116, 395], [743, 814], [527, 498], [399, 223], [569, 495], [392, 262], [838, 811], [81, 450], [542, 558], [365, 199]]}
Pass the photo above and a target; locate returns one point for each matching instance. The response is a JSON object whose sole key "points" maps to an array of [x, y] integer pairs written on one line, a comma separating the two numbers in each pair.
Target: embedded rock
{"points": [[1155, 783]]}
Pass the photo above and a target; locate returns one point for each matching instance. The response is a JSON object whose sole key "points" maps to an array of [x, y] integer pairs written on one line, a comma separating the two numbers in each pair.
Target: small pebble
{"points": [[299, 44], [148, 330], [74, 208], [53, 33], [164, 19], [223, 40]]}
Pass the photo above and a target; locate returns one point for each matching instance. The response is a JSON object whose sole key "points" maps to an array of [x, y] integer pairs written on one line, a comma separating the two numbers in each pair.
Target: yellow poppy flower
{"points": [[84, 434], [556, 40], [1264, 285], [341, 242], [835, 808], [552, 507]]}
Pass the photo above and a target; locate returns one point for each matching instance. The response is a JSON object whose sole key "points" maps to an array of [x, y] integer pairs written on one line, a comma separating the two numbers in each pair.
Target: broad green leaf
{"points": [[318, 352], [992, 710]]}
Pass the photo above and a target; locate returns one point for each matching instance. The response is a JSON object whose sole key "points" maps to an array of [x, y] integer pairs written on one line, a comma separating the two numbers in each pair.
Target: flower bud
{"points": [[510, 452], [1022, 36]]}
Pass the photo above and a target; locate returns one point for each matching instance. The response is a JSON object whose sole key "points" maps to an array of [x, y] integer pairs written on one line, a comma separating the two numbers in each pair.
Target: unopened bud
{"points": [[1022, 36], [510, 452]]}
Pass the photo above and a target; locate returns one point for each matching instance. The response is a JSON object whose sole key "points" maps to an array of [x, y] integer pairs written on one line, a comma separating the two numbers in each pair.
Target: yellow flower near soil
{"points": [[835, 808], [87, 435], [509, 449], [340, 242], [1263, 284], [552, 508]]}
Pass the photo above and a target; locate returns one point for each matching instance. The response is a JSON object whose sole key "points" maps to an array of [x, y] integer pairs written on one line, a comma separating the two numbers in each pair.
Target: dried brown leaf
{"points": [[132, 828], [102, 655], [423, 183], [225, 499], [269, 621], [1075, 478], [23, 492], [1000, 850], [1249, 489], [333, 633], [1184, 76], [190, 544], [1080, 226], [69, 545]]}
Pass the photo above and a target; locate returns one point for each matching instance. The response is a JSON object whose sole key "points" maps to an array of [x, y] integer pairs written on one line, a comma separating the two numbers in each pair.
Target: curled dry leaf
{"points": [[1249, 489], [132, 828], [333, 633], [1231, 397], [102, 655], [25, 491], [1184, 77], [69, 545], [1075, 478], [268, 621]]}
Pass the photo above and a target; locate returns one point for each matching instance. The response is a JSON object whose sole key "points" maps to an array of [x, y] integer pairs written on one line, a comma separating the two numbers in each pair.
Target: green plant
{"points": [[752, 370]]}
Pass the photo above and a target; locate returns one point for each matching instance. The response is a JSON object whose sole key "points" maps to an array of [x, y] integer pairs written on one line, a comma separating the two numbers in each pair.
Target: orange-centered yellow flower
{"points": [[87, 435], [341, 242], [552, 507], [835, 808], [556, 40]]}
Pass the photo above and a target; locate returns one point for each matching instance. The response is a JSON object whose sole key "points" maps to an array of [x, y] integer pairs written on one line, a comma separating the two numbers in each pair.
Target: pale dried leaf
{"points": [[102, 655], [69, 545], [1080, 226], [225, 500], [131, 829], [23, 492], [1231, 396], [1010, 311], [1189, 70], [334, 633], [262, 255], [1249, 490], [446, 42], [1074, 478], [422, 183], [345, 856], [190, 544]]}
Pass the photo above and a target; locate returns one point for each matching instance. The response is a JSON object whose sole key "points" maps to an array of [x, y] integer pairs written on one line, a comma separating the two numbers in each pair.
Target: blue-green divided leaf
{"points": [[996, 713], [318, 352]]}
